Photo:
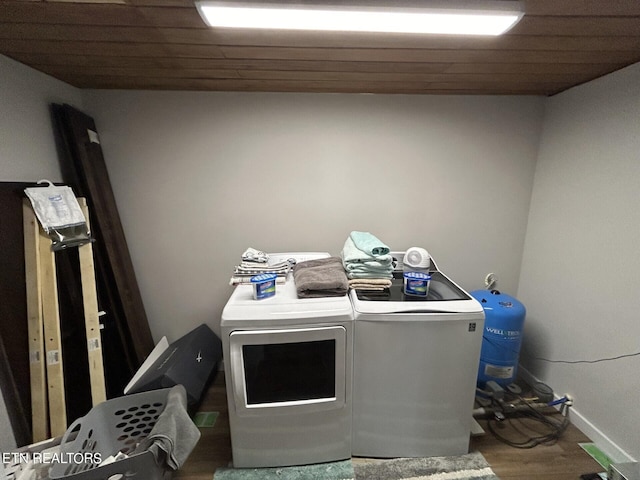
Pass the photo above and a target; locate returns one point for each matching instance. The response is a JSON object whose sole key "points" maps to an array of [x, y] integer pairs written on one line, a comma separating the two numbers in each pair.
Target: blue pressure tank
{"points": [[501, 338]]}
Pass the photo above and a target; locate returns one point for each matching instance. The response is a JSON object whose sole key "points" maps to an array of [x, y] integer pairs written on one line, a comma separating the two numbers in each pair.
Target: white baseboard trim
{"points": [[602, 441]]}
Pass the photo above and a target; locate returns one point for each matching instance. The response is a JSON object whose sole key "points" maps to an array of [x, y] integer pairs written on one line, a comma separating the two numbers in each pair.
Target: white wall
{"points": [[580, 275], [199, 177], [27, 147]]}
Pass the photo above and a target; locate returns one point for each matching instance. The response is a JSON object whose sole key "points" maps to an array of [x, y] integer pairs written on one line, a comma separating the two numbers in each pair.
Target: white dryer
{"points": [[415, 368], [288, 370]]}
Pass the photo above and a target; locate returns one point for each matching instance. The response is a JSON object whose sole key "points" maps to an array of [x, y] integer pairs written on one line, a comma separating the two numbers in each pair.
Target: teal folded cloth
{"points": [[359, 264], [368, 267], [352, 254], [369, 272], [358, 275], [369, 243]]}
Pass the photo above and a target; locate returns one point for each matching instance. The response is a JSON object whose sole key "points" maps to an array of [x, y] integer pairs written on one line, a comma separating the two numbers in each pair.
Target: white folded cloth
{"points": [[377, 284], [253, 255]]}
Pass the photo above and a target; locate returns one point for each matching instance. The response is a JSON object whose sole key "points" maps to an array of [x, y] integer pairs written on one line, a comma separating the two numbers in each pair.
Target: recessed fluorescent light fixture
{"points": [[471, 18]]}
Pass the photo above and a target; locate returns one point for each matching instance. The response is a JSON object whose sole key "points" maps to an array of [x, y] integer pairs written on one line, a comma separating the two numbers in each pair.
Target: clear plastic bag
{"points": [[60, 215]]}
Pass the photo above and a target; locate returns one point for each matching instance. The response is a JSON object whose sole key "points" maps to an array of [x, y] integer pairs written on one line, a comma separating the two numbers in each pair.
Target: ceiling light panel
{"points": [[485, 18]]}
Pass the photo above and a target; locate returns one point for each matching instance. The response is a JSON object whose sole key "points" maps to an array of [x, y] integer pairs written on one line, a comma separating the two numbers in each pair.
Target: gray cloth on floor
{"points": [[174, 435], [341, 470], [470, 466], [324, 277]]}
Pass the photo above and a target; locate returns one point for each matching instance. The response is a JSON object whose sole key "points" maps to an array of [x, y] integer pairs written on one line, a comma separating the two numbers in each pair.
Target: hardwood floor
{"points": [[564, 460]]}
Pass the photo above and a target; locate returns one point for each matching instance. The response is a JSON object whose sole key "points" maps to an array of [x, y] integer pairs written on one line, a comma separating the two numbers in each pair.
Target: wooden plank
{"points": [[113, 49], [52, 335], [35, 323], [620, 19], [577, 25], [116, 2], [68, 64], [529, 88], [134, 73], [317, 54], [411, 77], [65, 13], [582, 7], [70, 72], [92, 323], [419, 55], [537, 68], [91, 61], [532, 7], [134, 34]]}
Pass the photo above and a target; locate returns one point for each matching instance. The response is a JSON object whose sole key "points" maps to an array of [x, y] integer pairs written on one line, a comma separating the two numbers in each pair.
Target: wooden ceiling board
{"points": [[164, 44]]}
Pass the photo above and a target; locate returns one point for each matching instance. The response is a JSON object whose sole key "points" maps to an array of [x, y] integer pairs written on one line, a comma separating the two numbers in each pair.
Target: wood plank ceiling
{"points": [[164, 44]]}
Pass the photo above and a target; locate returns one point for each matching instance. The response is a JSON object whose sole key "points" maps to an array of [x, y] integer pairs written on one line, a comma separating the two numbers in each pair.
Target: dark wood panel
{"points": [[119, 34], [14, 345], [111, 49], [314, 85], [83, 168], [607, 23], [416, 55], [318, 54], [533, 7], [157, 35], [69, 13], [539, 68], [138, 71], [390, 75], [41, 61], [582, 7], [577, 25]]}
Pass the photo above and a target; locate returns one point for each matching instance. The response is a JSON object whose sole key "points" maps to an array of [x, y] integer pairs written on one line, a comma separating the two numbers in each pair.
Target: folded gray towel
{"points": [[324, 277], [174, 434]]}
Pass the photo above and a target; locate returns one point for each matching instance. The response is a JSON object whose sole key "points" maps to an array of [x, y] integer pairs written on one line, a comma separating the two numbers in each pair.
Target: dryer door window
{"points": [[289, 372], [301, 369]]}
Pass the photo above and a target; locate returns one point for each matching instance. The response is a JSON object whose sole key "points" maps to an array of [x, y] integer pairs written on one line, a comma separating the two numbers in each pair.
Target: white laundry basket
{"points": [[117, 425]]}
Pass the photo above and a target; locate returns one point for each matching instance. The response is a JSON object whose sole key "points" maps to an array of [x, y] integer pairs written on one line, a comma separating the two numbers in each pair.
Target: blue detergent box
{"points": [[264, 286], [416, 283]]}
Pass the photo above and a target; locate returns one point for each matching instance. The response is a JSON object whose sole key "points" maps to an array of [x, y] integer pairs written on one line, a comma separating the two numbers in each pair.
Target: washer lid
{"points": [[444, 297]]}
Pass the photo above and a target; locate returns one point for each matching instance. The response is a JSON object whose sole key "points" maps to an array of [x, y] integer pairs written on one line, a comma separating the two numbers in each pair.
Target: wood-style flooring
{"points": [[564, 460]]}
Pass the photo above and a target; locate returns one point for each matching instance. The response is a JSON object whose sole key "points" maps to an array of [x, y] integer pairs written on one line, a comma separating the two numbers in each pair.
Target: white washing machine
{"points": [[288, 370], [415, 368]]}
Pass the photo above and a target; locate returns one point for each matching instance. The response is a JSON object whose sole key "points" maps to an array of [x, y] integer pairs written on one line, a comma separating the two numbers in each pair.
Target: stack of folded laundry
{"points": [[367, 261], [323, 277], [256, 262]]}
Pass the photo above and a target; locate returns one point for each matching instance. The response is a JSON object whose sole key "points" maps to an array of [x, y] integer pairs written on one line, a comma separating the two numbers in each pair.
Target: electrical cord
{"points": [[597, 360], [571, 362], [553, 429]]}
